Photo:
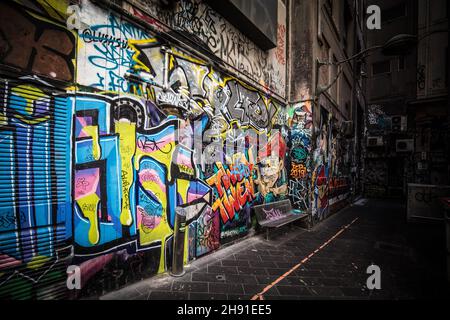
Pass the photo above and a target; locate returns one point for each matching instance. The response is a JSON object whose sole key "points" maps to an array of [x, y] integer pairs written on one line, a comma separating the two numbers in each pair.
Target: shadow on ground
{"points": [[412, 259]]}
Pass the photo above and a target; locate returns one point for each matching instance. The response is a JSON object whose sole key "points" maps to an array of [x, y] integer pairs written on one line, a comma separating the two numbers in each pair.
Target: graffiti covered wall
{"points": [[319, 164], [300, 122], [105, 130], [197, 19], [35, 121], [37, 43]]}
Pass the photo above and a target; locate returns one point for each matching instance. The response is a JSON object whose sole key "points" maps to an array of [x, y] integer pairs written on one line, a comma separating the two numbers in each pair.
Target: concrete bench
{"points": [[276, 214]]}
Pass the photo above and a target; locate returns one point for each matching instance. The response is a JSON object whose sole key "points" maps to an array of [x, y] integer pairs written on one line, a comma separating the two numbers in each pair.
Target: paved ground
{"points": [[411, 258]]}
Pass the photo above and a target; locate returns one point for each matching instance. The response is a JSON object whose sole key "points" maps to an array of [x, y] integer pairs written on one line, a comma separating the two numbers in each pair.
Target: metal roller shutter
{"points": [[34, 190]]}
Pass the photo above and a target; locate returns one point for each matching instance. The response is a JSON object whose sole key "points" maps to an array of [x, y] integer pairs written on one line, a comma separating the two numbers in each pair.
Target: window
{"points": [[381, 67], [347, 23], [393, 13]]}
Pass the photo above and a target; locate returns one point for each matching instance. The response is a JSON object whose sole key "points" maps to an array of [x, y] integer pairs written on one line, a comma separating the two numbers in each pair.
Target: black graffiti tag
{"points": [[149, 144]]}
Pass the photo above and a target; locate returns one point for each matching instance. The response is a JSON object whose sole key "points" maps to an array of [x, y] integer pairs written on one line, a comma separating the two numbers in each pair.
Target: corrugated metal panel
{"points": [[34, 190]]}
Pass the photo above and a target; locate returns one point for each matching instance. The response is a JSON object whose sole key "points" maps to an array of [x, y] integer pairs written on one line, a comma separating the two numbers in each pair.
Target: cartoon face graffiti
{"points": [[271, 171], [271, 180]]}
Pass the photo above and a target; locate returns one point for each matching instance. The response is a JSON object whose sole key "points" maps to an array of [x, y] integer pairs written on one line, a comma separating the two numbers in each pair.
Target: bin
{"points": [[179, 231]]}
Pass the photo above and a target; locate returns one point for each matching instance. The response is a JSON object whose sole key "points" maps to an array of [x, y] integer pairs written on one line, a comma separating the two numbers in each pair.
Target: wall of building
{"points": [[99, 120], [193, 17], [329, 31], [391, 83], [398, 82], [411, 87], [429, 111], [116, 113]]}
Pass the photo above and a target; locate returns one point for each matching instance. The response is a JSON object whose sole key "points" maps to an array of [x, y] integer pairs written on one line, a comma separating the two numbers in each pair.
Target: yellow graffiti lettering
{"points": [[92, 131], [127, 134]]}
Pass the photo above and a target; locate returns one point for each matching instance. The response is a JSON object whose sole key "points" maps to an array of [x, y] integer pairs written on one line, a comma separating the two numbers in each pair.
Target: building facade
{"points": [[116, 114], [327, 32], [429, 111], [407, 110]]}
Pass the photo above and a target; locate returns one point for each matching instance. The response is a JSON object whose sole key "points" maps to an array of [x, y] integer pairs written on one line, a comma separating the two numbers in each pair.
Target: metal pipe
{"points": [[178, 243], [166, 68]]}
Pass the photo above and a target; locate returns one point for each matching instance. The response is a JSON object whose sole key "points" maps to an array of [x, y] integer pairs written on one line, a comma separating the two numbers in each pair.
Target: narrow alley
{"points": [[404, 252], [224, 150]]}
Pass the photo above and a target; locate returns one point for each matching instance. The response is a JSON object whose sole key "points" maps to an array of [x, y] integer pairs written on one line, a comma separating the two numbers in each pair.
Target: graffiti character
{"points": [[272, 177]]}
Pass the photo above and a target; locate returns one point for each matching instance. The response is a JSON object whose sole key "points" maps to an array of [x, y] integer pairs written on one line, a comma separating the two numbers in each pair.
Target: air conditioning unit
{"points": [[404, 145], [374, 141], [399, 123]]}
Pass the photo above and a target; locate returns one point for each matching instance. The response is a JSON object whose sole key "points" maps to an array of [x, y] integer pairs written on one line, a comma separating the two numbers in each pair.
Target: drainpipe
{"points": [[166, 68], [354, 105]]}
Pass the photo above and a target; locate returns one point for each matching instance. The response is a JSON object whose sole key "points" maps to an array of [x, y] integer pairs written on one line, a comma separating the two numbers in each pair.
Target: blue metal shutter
{"points": [[34, 190]]}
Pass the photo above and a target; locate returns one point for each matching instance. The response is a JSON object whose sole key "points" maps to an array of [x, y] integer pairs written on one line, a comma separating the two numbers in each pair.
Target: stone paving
{"points": [[412, 259]]}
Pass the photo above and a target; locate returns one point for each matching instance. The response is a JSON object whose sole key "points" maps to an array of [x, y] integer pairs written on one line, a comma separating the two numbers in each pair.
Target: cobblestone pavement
{"points": [[411, 257]]}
